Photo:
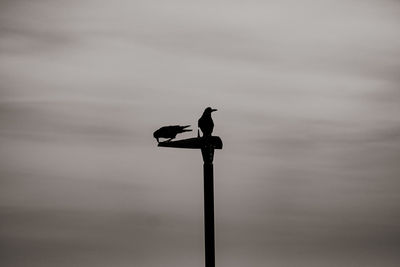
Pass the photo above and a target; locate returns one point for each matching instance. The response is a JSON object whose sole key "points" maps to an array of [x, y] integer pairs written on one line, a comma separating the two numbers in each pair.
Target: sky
{"points": [[308, 97]]}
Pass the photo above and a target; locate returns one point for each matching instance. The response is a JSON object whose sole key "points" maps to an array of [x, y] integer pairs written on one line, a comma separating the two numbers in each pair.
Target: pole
{"points": [[209, 238], [207, 144]]}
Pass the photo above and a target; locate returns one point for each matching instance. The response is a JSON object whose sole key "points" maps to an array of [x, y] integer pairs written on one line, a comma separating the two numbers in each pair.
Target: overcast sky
{"points": [[308, 98]]}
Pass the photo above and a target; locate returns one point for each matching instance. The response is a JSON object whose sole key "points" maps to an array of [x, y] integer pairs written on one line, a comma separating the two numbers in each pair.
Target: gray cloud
{"points": [[308, 98]]}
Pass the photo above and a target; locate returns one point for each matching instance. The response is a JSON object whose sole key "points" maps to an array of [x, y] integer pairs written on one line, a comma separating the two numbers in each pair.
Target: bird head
{"points": [[209, 110], [156, 135]]}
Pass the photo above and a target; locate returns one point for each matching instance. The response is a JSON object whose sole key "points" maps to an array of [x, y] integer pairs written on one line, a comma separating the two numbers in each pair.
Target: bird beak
{"points": [[214, 110]]}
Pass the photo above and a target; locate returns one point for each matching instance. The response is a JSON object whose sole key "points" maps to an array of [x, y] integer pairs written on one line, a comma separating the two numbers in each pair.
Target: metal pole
{"points": [[209, 238], [207, 144]]}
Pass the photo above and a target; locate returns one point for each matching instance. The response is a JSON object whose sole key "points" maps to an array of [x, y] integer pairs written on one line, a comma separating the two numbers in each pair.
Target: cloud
{"points": [[307, 94]]}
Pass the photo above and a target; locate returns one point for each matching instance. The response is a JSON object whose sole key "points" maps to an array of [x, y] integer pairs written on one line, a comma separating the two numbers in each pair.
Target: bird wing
{"points": [[179, 128]]}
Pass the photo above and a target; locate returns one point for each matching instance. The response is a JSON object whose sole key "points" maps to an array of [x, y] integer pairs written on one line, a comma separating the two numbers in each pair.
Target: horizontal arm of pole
{"points": [[194, 143]]}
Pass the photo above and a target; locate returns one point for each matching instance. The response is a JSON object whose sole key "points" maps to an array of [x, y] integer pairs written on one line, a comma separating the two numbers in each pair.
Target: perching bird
{"points": [[170, 132], [206, 123]]}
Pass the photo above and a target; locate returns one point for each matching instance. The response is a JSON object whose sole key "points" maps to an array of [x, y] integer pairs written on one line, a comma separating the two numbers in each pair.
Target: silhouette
{"points": [[206, 123], [170, 132], [207, 144]]}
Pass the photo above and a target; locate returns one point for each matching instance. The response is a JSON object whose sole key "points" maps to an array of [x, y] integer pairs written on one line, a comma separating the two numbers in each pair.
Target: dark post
{"points": [[209, 239], [207, 145]]}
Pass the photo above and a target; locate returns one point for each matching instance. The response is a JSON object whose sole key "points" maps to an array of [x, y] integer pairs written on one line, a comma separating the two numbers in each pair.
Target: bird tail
{"points": [[186, 130]]}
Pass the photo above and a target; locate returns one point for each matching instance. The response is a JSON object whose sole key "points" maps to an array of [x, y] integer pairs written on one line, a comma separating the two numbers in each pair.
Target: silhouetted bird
{"points": [[206, 123], [170, 132]]}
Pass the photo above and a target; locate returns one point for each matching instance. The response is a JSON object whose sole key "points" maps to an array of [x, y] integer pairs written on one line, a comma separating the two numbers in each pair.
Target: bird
{"points": [[170, 132], [206, 123]]}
